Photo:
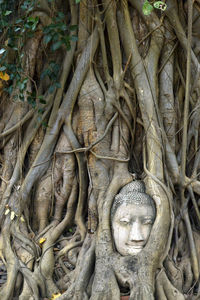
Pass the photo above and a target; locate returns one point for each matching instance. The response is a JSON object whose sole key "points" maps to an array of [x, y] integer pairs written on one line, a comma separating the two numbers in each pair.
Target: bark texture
{"points": [[126, 107]]}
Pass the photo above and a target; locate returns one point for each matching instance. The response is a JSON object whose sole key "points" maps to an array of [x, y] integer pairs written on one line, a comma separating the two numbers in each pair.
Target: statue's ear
{"points": [[117, 197]]}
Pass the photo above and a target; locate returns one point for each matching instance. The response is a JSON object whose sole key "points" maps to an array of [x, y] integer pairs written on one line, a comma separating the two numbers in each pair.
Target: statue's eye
{"points": [[124, 221], [147, 222]]}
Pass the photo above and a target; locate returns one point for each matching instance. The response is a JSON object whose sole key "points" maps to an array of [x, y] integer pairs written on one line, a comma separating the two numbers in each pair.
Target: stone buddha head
{"points": [[132, 216]]}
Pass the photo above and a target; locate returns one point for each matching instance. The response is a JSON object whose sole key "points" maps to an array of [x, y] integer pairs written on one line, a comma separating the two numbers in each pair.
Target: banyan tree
{"points": [[97, 94]]}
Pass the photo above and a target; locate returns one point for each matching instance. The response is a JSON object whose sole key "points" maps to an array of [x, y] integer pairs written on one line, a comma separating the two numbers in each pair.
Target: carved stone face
{"points": [[131, 225]]}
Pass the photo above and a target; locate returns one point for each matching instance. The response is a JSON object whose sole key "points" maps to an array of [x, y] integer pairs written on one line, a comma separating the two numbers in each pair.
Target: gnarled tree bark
{"points": [[127, 107]]}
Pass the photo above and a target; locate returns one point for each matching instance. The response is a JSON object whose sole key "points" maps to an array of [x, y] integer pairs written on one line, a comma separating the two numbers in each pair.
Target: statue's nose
{"points": [[135, 234]]}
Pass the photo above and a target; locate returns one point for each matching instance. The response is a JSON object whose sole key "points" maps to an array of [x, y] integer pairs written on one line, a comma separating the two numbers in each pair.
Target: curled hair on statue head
{"points": [[132, 193]]}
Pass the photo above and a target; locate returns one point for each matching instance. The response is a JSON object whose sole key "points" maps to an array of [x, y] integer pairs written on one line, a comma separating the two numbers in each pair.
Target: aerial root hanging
{"points": [[165, 289]]}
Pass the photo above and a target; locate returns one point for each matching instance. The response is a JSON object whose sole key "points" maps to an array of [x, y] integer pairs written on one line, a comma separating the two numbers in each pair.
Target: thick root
{"points": [[164, 287]]}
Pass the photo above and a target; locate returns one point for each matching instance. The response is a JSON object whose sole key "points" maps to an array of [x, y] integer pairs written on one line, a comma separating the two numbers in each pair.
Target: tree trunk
{"points": [[95, 95]]}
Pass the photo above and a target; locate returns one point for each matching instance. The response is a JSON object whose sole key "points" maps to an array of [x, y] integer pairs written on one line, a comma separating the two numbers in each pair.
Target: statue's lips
{"points": [[135, 246]]}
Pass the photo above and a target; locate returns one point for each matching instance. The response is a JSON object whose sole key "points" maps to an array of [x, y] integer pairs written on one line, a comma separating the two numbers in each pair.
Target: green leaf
{"points": [[2, 69], [63, 27], [160, 5], [78, 1], [56, 37], [42, 101], [7, 12], [44, 124], [19, 21], [61, 15], [46, 29], [2, 50], [57, 84], [22, 84], [68, 46], [51, 89], [31, 19], [74, 38], [40, 111], [56, 45], [67, 43], [31, 101], [17, 29], [73, 27], [44, 74], [21, 97], [147, 8], [9, 89], [34, 26], [47, 38]]}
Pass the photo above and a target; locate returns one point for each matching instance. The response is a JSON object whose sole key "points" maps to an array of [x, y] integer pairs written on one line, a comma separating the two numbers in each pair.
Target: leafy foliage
{"points": [[15, 27], [160, 5], [148, 7], [59, 33], [17, 24]]}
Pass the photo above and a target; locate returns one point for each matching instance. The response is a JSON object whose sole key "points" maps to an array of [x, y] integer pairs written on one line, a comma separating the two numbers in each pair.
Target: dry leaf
{"points": [[41, 241], [4, 76], [22, 219], [12, 215], [7, 211], [54, 296]]}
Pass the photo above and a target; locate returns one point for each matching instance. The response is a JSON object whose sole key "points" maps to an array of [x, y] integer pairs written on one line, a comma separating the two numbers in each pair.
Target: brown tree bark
{"points": [[125, 106]]}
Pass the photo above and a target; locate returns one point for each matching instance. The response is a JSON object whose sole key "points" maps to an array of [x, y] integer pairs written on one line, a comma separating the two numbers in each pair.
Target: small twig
{"points": [[110, 157], [110, 123], [44, 162], [127, 64], [128, 87], [194, 202], [183, 82], [100, 81], [193, 252], [125, 119], [126, 97], [4, 180], [52, 184], [196, 164], [187, 98], [86, 149], [103, 47], [166, 60], [186, 103], [69, 247], [19, 124], [44, 231], [149, 33]]}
